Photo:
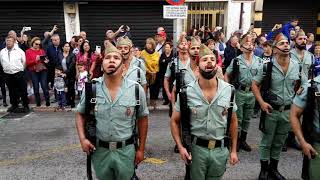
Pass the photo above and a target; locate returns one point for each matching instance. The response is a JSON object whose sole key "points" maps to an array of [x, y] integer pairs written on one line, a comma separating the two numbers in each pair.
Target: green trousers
{"points": [[114, 164], [208, 164], [277, 126], [314, 170], [245, 102]]}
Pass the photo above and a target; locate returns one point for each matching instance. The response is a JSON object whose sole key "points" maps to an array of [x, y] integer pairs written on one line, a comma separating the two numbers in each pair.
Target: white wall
{"points": [[233, 17], [71, 21]]}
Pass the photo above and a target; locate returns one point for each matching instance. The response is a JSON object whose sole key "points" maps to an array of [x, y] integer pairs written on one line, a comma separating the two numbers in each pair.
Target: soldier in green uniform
{"points": [[114, 156], [185, 63], [247, 68], [309, 149], [284, 75], [305, 59], [135, 68], [208, 99]]}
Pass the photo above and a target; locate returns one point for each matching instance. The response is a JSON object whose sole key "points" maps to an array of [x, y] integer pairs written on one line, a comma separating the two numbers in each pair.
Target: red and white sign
{"points": [[175, 2]]}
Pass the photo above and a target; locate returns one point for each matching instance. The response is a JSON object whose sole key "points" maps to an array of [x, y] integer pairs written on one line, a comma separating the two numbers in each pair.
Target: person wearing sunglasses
{"points": [[37, 64]]}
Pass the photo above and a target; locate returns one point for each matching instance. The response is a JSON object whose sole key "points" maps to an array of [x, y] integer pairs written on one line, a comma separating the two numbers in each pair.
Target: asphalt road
{"points": [[44, 145]]}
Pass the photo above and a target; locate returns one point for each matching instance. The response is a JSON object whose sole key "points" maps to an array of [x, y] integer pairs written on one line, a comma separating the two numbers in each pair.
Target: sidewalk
{"points": [[53, 106]]}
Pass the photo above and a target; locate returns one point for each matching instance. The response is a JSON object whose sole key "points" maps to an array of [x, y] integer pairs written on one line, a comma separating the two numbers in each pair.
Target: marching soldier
{"points": [[181, 70], [308, 133], [305, 59], [116, 113], [240, 73], [135, 68], [208, 98], [283, 76]]}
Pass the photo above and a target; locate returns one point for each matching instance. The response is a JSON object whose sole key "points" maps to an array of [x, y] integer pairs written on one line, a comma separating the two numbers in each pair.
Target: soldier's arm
{"points": [[80, 121], [256, 91], [175, 128], [143, 130], [226, 77], [295, 115], [166, 85], [173, 95], [234, 132]]}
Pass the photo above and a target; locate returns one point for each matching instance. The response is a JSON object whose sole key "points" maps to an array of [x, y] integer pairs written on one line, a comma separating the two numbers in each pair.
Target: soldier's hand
{"points": [[308, 150], [169, 97], [87, 146], [266, 107], [233, 158], [185, 155], [139, 157]]}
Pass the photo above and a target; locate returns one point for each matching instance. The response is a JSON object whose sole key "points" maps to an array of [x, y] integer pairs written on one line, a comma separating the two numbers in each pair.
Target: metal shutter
{"points": [[142, 17], [276, 12], [39, 16]]}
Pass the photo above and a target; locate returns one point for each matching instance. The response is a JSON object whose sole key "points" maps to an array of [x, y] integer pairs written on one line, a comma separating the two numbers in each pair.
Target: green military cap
{"points": [[110, 48], [279, 37], [195, 42], [204, 50], [124, 41], [301, 33], [245, 38], [182, 39]]}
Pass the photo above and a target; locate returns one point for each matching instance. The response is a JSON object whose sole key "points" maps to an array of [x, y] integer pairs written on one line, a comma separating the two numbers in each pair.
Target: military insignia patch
{"points": [[128, 111], [194, 110], [225, 111]]}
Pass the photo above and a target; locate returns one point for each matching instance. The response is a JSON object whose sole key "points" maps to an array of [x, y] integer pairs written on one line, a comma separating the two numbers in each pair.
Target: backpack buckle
{"points": [[93, 100]]}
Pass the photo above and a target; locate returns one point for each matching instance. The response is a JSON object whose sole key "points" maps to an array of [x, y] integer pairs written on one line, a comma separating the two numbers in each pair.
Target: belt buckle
{"points": [[281, 109], [212, 144], [112, 145]]}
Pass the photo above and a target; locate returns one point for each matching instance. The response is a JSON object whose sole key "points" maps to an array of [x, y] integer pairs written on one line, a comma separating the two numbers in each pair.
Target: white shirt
{"points": [[81, 80], [159, 45], [13, 60]]}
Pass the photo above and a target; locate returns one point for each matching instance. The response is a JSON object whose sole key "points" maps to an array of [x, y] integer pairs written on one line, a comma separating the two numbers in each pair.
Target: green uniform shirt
{"points": [[208, 120], [115, 120], [188, 73], [305, 63], [138, 63], [132, 74], [301, 101], [246, 72], [282, 85]]}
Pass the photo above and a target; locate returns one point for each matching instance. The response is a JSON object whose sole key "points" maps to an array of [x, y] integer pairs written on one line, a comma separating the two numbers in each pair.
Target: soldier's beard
{"points": [[208, 74], [301, 46], [114, 70]]}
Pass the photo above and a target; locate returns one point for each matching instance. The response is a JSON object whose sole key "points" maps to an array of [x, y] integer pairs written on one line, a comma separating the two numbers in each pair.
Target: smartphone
{"points": [[98, 49], [27, 28], [43, 58], [218, 28]]}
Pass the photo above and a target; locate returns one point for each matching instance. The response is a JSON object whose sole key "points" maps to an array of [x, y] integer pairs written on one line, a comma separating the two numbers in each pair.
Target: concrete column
{"points": [[258, 15], [71, 19]]}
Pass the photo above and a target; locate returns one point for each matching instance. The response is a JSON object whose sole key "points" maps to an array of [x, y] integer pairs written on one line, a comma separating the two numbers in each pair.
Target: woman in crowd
{"points": [[36, 63], [86, 54], [317, 59], [165, 59], [211, 45], [79, 41], [151, 58], [67, 61]]}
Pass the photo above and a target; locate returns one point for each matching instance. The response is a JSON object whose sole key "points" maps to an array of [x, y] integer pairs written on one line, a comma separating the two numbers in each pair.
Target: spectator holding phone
{"points": [[86, 57], [47, 35], [36, 63]]}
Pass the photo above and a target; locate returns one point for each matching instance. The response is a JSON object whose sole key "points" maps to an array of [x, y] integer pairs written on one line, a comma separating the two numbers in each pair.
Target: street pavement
{"points": [[44, 145]]}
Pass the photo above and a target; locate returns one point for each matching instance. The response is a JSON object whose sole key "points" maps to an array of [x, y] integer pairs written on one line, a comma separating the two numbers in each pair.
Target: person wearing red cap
{"points": [[161, 37]]}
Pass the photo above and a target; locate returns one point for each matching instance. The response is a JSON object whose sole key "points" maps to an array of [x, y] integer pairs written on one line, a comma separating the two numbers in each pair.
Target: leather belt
{"points": [[244, 88], [115, 145], [210, 144], [280, 107]]}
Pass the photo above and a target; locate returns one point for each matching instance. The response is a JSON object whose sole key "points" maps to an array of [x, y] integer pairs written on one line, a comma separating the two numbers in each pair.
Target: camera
{"points": [[43, 57]]}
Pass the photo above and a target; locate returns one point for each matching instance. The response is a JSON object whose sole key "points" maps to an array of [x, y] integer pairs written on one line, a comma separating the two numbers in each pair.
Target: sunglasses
{"points": [[36, 44]]}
